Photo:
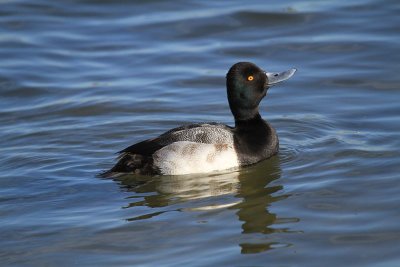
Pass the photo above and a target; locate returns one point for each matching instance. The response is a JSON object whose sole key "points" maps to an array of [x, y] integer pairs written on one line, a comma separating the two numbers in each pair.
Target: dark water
{"points": [[80, 80]]}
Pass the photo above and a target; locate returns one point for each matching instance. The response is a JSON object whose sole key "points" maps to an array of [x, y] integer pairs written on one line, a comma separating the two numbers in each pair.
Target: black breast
{"points": [[255, 142]]}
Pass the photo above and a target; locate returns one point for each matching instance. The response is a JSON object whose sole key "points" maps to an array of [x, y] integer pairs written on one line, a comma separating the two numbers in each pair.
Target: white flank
{"points": [[185, 157]]}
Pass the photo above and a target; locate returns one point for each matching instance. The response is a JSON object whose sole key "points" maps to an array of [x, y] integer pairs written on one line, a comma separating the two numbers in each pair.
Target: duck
{"points": [[212, 147]]}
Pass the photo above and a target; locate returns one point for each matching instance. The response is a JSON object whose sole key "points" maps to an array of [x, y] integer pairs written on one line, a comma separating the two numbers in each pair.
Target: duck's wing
{"points": [[138, 158], [207, 133]]}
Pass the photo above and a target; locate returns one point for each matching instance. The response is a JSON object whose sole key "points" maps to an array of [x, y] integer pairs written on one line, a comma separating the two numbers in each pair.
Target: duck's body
{"points": [[210, 147], [200, 148]]}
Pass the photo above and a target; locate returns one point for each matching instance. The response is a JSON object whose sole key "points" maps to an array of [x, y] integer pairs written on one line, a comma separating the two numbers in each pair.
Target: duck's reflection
{"points": [[183, 192], [256, 196], [248, 192]]}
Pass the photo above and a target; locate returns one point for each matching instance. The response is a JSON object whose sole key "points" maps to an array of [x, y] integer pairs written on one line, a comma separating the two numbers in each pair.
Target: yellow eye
{"points": [[250, 78]]}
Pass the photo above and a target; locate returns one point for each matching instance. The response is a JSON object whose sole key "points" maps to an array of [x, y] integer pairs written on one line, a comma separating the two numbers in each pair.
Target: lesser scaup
{"points": [[206, 147]]}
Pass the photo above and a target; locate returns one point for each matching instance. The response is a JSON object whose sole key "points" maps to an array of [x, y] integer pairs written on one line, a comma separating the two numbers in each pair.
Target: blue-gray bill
{"points": [[277, 77]]}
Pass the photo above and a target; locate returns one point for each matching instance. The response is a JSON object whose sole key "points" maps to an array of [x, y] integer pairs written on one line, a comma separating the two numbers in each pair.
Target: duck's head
{"points": [[247, 84]]}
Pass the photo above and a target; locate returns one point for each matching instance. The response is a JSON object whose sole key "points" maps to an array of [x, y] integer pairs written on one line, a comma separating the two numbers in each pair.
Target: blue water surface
{"points": [[80, 80]]}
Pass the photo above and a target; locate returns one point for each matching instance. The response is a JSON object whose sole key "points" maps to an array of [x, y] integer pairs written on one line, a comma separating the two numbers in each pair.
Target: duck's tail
{"points": [[132, 163]]}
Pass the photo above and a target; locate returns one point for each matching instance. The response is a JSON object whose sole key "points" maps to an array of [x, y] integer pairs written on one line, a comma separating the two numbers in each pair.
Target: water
{"points": [[80, 80]]}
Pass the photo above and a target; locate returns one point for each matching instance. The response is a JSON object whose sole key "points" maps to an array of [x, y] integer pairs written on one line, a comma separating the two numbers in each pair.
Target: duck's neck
{"points": [[255, 121]]}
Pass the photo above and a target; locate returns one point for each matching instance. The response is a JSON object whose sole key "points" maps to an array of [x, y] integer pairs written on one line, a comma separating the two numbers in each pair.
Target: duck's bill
{"points": [[277, 77]]}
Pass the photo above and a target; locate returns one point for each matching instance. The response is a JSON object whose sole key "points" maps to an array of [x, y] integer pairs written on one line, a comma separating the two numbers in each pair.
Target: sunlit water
{"points": [[80, 80]]}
